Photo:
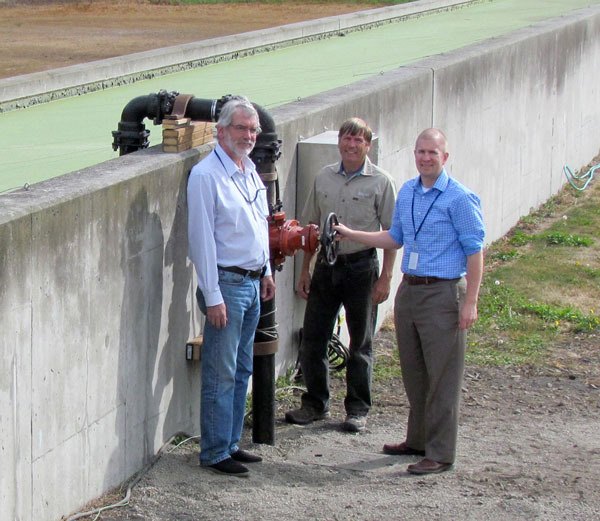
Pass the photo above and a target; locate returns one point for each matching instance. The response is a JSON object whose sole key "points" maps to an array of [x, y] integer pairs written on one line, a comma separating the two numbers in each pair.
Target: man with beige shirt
{"points": [[362, 195]]}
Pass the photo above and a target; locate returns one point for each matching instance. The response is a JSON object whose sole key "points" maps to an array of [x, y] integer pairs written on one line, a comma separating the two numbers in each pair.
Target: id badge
{"points": [[413, 259]]}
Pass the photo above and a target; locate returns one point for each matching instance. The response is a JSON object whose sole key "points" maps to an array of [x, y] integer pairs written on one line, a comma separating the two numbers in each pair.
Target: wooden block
{"points": [[193, 135], [175, 141], [201, 140], [175, 123], [186, 130], [177, 148], [194, 128]]}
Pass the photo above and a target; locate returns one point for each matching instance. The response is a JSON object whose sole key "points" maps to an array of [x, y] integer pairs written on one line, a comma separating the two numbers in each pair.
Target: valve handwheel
{"points": [[329, 244]]}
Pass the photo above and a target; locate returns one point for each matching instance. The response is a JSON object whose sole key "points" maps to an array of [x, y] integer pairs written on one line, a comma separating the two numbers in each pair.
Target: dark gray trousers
{"points": [[349, 283]]}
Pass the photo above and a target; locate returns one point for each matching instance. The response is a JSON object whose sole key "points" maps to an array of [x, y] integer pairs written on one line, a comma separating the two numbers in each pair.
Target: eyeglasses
{"points": [[247, 198], [243, 128]]}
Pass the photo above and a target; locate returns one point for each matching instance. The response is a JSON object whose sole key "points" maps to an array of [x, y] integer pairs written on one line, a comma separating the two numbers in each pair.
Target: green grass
{"points": [[541, 283], [387, 367]]}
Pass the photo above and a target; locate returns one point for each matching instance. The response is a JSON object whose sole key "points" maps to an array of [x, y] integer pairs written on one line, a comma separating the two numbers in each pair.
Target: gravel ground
{"points": [[528, 449]]}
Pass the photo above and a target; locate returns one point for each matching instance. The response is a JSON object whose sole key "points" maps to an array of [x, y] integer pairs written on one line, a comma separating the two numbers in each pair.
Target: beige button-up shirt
{"points": [[362, 201]]}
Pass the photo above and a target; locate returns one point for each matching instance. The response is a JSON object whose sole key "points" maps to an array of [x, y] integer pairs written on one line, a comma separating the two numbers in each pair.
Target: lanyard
{"points": [[417, 230], [247, 199]]}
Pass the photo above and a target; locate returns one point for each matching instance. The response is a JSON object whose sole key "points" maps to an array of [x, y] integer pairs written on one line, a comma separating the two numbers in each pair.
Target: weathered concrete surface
{"points": [[96, 302]]}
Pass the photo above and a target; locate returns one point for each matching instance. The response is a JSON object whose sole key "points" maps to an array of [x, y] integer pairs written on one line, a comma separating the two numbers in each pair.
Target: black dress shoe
{"points": [[230, 467], [245, 457], [401, 449]]}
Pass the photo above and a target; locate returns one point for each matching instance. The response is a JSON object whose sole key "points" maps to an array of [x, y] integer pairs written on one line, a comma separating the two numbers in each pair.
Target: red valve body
{"points": [[287, 237]]}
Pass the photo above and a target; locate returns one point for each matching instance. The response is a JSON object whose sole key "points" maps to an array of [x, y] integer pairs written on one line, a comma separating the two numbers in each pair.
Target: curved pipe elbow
{"points": [[267, 123], [139, 108]]}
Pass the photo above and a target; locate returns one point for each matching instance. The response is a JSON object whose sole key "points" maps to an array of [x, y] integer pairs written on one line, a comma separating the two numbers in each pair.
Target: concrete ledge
{"points": [[40, 87]]}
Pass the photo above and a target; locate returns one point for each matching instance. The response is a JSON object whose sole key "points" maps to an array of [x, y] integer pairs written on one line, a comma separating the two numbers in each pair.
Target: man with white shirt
{"points": [[229, 246]]}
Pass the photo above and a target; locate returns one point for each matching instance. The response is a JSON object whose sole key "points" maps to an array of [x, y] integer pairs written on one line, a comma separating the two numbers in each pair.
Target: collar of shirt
{"points": [[230, 166], [361, 171], [441, 183]]}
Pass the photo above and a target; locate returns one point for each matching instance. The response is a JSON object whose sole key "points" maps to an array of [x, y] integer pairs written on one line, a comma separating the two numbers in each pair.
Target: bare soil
{"points": [[42, 35], [529, 444]]}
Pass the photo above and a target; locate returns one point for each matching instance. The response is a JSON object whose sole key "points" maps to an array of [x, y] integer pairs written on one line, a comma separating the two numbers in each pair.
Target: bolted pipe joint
{"points": [[130, 137], [265, 153], [132, 134]]}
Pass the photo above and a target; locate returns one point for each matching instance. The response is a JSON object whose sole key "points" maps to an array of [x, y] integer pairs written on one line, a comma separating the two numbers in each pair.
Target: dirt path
{"points": [[528, 450]]}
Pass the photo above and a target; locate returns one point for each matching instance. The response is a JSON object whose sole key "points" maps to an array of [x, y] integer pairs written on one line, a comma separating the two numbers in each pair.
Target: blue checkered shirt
{"points": [[448, 225]]}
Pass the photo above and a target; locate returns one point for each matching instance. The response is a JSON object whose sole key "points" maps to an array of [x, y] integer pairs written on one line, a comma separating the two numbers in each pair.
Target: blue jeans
{"points": [[349, 283], [226, 367]]}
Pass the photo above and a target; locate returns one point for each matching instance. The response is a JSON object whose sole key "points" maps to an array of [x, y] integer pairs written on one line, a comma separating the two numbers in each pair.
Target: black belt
{"points": [[353, 257], [253, 274], [414, 280]]}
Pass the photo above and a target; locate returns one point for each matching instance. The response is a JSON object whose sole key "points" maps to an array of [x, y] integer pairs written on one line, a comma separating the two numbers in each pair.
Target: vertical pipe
{"points": [[263, 376], [264, 155]]}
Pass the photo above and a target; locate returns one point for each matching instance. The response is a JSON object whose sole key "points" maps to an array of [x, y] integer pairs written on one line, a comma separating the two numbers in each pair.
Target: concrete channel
{"points": [[46, 135]]}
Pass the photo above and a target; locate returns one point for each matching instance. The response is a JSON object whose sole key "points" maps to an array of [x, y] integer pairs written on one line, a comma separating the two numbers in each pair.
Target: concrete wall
{"points": [[96, 308], [96, 291]]}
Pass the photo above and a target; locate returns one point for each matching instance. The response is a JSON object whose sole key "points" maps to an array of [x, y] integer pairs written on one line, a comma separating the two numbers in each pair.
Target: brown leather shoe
{"points": [[428, 466], [401, 449]]}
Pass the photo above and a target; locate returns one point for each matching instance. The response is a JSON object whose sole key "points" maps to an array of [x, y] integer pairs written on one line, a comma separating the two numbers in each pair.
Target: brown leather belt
{"points": [[253, 274], [414, 280]]}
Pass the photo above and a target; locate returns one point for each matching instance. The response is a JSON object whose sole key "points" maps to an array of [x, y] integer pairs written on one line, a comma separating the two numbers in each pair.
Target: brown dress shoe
{"points": [[401, 449], [428, 466]]}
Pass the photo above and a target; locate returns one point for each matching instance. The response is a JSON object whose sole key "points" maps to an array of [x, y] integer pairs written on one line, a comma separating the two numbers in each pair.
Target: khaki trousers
{"points": [[432, 350]]}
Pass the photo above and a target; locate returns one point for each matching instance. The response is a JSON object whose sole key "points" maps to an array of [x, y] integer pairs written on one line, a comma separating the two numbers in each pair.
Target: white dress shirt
{"points": [[227, 220]]}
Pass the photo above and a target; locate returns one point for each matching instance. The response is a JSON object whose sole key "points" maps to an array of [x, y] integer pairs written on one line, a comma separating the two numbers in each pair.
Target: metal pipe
{"points": [[266, 342]]}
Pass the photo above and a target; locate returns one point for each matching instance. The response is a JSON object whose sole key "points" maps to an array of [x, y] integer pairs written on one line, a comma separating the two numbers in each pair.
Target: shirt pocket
{"points": [[360, 209]]}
